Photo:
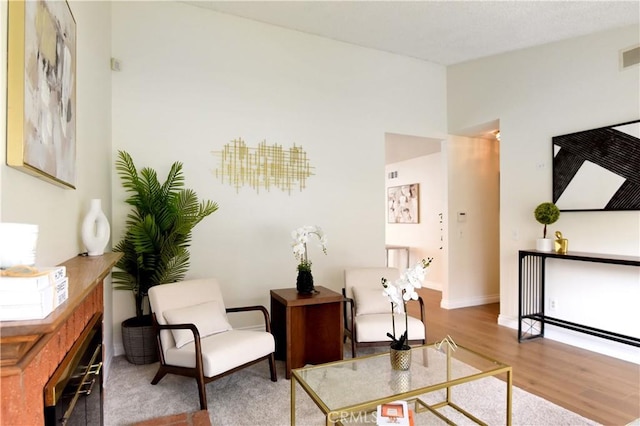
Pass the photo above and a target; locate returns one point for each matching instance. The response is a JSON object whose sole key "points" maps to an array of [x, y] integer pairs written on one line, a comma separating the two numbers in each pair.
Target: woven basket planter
{"points": [[139, 340]]}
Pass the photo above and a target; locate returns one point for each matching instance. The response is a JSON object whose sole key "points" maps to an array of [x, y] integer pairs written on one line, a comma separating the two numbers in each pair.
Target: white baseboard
{"points": [[118, 349], [471, 301], [106, 367]]}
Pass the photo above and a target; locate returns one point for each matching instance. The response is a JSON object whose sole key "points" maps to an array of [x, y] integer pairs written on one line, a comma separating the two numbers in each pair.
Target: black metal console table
{"points": [[531, 315]]}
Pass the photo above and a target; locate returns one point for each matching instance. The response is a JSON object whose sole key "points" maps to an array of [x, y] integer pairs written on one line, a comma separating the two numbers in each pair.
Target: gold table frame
{"points": [[336, 415]]}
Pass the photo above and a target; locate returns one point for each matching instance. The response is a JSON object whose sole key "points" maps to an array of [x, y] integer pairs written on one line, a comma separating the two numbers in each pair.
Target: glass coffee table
{"points": [[349, 391]]}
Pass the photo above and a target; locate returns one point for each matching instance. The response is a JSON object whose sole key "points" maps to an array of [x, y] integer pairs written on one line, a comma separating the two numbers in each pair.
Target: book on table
{"points": [[393, 413], [32, 293]]}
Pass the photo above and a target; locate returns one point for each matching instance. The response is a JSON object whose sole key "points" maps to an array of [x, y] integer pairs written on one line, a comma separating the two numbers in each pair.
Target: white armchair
{"points": [[367, 313], [196, 340]]}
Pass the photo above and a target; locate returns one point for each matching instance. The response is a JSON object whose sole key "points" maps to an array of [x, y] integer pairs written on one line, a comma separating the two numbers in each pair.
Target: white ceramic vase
{"points": [[544, 244], [95, 229]]}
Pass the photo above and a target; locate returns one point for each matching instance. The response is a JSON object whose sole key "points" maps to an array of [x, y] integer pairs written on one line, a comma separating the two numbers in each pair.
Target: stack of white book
{"points": [[32, 292]]}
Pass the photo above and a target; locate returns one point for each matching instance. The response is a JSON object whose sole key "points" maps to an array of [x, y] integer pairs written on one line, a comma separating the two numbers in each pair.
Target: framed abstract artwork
{"points": [[403, 203], [598, 169], [41, 90]]}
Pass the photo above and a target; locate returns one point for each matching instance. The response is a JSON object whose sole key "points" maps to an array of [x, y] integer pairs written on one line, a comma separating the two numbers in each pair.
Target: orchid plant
{"points": [[301, 237], [399, 293]]}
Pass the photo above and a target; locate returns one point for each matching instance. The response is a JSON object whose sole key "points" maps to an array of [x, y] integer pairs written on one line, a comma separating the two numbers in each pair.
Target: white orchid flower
{"points": [[410, 295], [394, 295], [403, 289], [301, 237]]}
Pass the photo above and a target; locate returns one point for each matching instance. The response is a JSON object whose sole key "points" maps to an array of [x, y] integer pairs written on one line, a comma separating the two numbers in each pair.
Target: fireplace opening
{"points": [[73, 395]]}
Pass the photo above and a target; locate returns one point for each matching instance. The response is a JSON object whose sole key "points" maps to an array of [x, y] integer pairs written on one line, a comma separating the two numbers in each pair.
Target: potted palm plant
{"points": [[546, 214], [155, 244]]}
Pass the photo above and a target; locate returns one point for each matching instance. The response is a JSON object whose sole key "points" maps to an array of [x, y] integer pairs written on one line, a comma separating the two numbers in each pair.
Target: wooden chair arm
{"points": [[187, 326], [422, 310], [260, 308], [348, 320]]}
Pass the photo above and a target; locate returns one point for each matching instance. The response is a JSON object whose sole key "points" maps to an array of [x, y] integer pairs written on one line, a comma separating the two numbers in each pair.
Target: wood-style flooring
{"points": [[601, 388]]}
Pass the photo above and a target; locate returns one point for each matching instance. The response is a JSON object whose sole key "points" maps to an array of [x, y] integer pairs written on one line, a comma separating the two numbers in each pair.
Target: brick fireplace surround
{"points": [[30, 351]]}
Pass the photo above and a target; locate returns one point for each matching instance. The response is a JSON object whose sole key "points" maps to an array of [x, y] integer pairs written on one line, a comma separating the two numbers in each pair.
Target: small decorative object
{"points": [[561, 244], [400, 358], [267, 166], [448, 341], [546, 214], [18, 243], [304, 283], [399, 293], [95, 229]]}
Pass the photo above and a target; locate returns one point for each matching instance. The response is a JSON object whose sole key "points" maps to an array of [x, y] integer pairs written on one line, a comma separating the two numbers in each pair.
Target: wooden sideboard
{"points": [[30, 351]]}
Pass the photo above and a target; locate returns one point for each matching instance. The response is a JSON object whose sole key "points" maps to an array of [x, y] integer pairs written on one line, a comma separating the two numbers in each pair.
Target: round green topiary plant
{"points": [[546, 214]]}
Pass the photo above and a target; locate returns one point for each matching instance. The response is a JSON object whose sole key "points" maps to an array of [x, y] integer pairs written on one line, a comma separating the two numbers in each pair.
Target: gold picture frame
{"points": [[41, 90]]}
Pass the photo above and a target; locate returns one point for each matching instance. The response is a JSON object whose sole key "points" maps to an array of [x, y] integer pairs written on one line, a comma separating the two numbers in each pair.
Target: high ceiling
{"points": [[444, 32]]}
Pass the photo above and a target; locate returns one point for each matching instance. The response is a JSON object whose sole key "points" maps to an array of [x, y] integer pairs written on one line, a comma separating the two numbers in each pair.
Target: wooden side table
{"points": [[307, 328]]}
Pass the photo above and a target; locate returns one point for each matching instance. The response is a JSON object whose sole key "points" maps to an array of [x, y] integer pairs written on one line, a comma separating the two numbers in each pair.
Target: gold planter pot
{"points": [[400, 359]]}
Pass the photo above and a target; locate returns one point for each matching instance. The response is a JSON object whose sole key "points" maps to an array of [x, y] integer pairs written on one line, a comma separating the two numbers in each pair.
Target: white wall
{"points": [[57, 211], [423, 238], [536, 94], [192, 80]]}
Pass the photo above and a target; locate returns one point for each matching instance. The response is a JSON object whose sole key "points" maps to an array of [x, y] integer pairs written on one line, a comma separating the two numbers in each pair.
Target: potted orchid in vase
{"points": [[399, 293], [301, 236]]}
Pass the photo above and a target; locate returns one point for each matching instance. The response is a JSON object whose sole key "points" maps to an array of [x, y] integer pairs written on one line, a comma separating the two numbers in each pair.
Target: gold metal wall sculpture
{"points": [[266, 166]]}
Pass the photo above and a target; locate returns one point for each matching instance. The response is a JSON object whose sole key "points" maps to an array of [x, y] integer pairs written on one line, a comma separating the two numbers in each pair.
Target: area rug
{"points": [[249, 398]]}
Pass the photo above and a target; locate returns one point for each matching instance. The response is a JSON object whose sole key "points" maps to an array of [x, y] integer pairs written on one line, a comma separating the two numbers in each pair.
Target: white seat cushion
{"points": [[224, 351], [207, 318], [374, 327]]}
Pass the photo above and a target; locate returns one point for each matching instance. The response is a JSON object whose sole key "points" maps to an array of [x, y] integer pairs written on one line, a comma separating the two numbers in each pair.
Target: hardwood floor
{"points": [[601, 388]]}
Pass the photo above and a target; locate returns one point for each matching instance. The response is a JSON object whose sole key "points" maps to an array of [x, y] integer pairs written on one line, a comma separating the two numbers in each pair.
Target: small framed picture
{"points": [[403, 203]]}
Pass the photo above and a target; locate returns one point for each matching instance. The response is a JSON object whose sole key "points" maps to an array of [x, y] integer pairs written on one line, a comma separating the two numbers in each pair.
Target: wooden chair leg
{"points": [[272, 368], [353, 347], [159, 375], [202, 391]]}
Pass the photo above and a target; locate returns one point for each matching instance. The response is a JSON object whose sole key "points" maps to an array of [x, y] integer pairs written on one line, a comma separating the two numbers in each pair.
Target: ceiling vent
{"points": [[630, 57]]}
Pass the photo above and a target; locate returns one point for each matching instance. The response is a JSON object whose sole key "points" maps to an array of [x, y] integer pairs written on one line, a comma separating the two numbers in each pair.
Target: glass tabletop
{"points": [[357, 381]]}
